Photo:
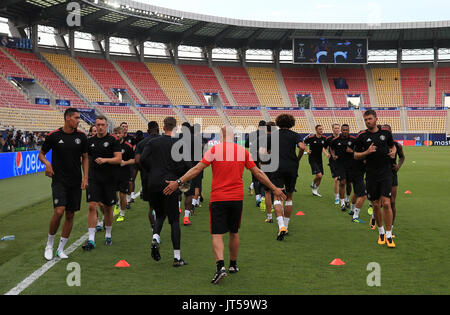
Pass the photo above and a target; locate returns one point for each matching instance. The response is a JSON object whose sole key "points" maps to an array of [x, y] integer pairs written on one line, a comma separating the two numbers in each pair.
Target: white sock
{"points": [[198, 200], [252, 186], [177, 254], [50, 240], [356, 213], [132, 195], [187, 213], [388, 234], [336, 196], [99, 223], [347, 198], [108, 230], [381, 230], [62, 243], [194, 202], [373, 216], [122, 213], [280, 221], [286, 222], [258, 197], [342, 202], [353, 207], [157, 238], [91, 234], [179, 204], [128, 198], [269, 216]]}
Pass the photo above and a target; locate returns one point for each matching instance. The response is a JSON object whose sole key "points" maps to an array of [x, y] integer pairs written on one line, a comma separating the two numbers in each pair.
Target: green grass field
{"points": [[298, 265]]}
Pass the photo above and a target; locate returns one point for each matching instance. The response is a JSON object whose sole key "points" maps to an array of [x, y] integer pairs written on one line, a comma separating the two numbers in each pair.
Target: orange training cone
{"points": [[408, 192], [122, 264], [300, 213], [337, 262]]}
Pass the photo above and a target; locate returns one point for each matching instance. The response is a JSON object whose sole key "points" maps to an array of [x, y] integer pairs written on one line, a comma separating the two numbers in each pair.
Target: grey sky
{"points": [[323, 11]]}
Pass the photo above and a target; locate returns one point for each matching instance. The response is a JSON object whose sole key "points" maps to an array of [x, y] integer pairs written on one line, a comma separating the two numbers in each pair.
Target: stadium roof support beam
{"points": [[276, 57], [242, 55], [253, 37], [172, 52], [207, 54], [35, 37], [72, 43], [16, 31]]}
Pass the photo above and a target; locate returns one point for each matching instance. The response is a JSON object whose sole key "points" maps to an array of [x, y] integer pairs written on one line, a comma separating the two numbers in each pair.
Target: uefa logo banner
{"points": [[21, 163]]}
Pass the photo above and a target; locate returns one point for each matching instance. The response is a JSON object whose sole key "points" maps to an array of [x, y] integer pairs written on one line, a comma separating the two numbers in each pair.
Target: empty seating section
{"points": [[209, 119], [240, 86], [301, 122], [158, 114], [266, 86], [391, 118], [70, 70], [244, 119], [107, 77], [119, 114], [415, 82], [304, 81], [427, 121], [387, 83], [170, 82], [11, 97], [143, 80], [357, 84], [442, 84], [9, 68], [327, 118], [203, 80], [45, 75]]}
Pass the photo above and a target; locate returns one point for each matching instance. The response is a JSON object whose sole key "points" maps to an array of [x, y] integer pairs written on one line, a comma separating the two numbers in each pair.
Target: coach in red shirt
{"points": [[227, 160]]}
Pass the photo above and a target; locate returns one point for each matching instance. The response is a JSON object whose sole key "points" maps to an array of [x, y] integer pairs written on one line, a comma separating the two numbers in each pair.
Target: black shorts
{"points": [[316, 166], [68, 197], [123, 185], [377, 188], [394, 179], [332, 164], [343, 173], [285, 179], [225, 216], [104, 192], [197, 181], [359, 185], [164, 205]]}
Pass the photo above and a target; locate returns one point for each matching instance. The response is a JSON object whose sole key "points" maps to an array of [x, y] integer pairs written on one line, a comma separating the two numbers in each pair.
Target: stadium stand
{"points": [[391, 118], [388, 86], [245, 118], [415, 82], [304, 81], [240, 85], [9, 68], [209, 119], [119, 114], [144, 81], [70, 70], [158, 114], [204, 81], [168, 79], [357, 85], [107, 77], [442, 84], [41, 72], [265, 84], [433, 121], [301, 121], [327, 118]]}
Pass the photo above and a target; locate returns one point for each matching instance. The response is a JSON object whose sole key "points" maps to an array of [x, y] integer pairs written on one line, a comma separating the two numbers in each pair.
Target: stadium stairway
{"points": [[448, 123], [371, 88], [282, 87], [432, 88], [326, 86], [224, 86], [125, 77], [187, 85]]}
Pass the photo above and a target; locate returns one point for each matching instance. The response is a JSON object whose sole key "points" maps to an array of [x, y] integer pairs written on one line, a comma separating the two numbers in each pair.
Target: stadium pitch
{"points": [[298, 265]]}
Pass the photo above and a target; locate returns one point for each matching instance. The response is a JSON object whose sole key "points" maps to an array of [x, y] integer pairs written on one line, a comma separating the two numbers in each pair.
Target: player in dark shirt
{"points": [[265, 151], [123, 171], [133, 171], [377, 147], [342, 152], [160, 165], [253, 143], [288, 162], [153, 132], [317, 144], [104, 154], [336, 128], [69, 153], [357, 173], [397, 163], [199, 145]]}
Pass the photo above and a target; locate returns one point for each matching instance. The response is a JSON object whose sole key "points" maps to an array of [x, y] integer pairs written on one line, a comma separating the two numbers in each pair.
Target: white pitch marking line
{"points": [[38, 273]]}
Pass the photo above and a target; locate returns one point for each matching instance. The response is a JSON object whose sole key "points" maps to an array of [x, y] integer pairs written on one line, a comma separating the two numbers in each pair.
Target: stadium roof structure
{"points": [[141, 22]]}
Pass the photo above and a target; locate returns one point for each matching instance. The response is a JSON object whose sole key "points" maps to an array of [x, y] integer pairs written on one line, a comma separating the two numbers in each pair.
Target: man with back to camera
{"points": [[153, 132], [228, 161], [105, 154], [376, 146], [317, 144], [69, 153]]}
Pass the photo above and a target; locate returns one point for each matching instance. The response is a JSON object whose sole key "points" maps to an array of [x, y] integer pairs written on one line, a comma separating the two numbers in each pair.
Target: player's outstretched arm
{"points": [[263, 179], [191, 174]]}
